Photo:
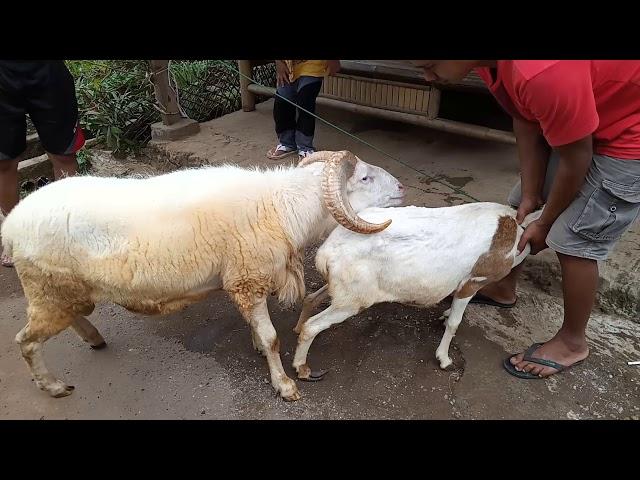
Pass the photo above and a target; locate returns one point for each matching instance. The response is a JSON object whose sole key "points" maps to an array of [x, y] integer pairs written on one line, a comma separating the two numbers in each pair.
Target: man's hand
{"points": [[535, 234], [282, 73], [333, 67], [528, 205]]}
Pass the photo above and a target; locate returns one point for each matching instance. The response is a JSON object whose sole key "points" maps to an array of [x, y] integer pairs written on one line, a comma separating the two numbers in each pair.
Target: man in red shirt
{"points": [[577, 125]]}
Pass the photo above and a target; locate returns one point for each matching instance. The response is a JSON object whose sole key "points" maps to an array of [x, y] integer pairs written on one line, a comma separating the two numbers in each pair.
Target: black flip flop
{"points": [[540, 361], [480, 299]]}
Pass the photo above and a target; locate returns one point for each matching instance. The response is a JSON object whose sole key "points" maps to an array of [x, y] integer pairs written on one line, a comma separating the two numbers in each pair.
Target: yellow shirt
{"points": [[306, 68]]}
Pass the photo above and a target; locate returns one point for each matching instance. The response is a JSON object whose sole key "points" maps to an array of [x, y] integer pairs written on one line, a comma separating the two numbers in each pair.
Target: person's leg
{"points": [[63, 165], [585, 233], [13, 133], [569, 345], [305, 126], [8, 185], [53, 108], [284, 116], [8, 196], [504, 291]]}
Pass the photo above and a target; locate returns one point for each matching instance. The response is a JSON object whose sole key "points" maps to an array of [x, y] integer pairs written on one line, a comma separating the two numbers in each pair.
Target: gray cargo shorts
{"points": [[607, 205]]}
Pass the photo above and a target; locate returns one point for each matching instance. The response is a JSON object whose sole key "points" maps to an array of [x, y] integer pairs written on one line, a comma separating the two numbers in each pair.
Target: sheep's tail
{"points": [[519, 258], [322, 264], [532, 217]]}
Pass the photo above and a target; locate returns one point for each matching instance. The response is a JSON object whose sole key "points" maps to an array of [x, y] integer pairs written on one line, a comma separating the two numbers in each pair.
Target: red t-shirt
{"points": [[571, 99]]}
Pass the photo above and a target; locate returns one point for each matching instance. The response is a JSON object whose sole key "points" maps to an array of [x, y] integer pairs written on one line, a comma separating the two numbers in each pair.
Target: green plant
{"points": [[191, 73], [84, 161], [116, 101]]}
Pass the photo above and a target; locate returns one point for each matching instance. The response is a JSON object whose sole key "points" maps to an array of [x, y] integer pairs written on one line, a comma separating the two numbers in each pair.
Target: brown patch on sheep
{"points": [[246, 290], [166, 306], [275, 346], [304, 371], [264, 260], [55, 301], [66, 292], [494, 264]]}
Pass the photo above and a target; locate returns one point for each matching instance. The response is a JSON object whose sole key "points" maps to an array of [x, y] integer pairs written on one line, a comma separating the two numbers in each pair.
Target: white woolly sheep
{"points": [[424, 256], [158, 244]]}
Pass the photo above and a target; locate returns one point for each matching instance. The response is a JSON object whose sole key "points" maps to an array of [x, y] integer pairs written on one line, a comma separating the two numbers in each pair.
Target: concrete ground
{"points": [[199, 363]]}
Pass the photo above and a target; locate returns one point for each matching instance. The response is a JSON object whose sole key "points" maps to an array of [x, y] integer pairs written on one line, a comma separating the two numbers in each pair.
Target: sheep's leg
{"points": [[454, 318], [311, 302], [257, 345], [258, 319], [90, 334], [316, 324], [43, 324]]}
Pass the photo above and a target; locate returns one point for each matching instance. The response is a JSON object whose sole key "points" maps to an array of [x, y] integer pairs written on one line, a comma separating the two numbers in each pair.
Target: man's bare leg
{"points": [[569, 345], [503, 291], [8, 194], [63, 165]]}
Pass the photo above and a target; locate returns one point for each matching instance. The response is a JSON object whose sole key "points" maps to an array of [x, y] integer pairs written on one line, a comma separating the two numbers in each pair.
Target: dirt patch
{"points": [[102, 163]]}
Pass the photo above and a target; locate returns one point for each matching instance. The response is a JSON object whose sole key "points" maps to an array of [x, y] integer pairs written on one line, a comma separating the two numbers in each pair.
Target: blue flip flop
{"points": [[540, 361]]}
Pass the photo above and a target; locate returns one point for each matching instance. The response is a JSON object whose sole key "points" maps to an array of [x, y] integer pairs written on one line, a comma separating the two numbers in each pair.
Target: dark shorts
{"points": [[46, 92], [606, 207]]}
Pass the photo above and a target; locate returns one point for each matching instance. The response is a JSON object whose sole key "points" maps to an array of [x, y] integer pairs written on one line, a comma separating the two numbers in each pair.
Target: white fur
{"points": [[156, 239], [425, 255]]}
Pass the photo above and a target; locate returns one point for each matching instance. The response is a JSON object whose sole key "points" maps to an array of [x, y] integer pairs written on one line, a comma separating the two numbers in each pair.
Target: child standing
{"points": [[299, 81]]}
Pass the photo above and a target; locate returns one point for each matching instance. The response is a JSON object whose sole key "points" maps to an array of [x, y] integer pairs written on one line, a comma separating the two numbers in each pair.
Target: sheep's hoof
{"points": [[447, 364], [290, 394], [58, 389], [100, 346], [305, 374], [68, 390], [294, 397]]}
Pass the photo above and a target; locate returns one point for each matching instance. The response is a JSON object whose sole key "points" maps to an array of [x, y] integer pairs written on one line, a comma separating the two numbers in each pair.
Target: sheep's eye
{"points": [[364, 179]]}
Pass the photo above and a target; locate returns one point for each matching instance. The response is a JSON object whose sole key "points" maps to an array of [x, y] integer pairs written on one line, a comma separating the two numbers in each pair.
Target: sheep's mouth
{"points": [[395, 202]]}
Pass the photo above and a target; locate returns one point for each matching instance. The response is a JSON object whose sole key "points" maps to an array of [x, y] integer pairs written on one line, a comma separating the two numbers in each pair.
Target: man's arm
{"points": [[533, 152], [575, 160], [561, 100]]}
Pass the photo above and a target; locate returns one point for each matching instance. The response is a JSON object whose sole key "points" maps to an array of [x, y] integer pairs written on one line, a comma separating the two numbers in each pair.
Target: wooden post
{"points": [[433, 107], [248, 98], [165, 96]]}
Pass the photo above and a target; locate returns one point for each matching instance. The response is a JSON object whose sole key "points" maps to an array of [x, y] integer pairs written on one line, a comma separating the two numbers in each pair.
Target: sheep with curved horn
{"points": [[156, 245]]}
